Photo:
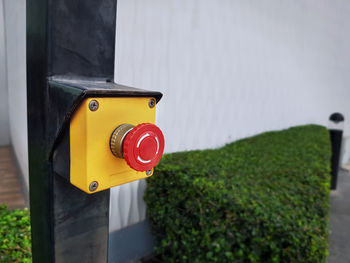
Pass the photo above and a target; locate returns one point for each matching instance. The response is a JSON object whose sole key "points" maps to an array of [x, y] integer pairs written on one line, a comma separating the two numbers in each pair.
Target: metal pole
{"points": [[336, 135], [75, 40], [336, 140]]}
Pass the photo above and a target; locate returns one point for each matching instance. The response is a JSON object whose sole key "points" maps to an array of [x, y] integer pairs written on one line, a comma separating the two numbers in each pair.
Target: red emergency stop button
{"points": [[143, 147]]}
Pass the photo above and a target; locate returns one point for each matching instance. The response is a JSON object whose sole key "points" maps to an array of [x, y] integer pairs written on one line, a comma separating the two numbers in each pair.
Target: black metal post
{"points": [[72, 40], [336, 139], [336, 135]]}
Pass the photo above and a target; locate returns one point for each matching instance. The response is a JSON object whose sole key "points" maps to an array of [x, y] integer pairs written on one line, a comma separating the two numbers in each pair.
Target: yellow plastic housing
{"points": [[90, 131]]}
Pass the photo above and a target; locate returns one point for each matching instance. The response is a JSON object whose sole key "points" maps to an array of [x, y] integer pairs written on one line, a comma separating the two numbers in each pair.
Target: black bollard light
{"points": [[336, 127]]}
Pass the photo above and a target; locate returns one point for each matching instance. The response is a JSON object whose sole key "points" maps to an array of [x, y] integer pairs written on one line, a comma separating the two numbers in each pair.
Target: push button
{"points": [[141, 146]]}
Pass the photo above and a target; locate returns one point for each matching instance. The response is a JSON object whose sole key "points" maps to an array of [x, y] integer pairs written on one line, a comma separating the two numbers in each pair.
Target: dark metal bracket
{"points": [[66, 94]]}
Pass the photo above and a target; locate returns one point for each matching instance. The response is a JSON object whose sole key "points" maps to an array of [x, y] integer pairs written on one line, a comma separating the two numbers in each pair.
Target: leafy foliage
{"points": [[261, 199], [15, 242]]}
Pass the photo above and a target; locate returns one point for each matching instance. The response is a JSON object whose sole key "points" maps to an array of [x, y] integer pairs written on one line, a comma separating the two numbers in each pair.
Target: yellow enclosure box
{"points": [[91, 160]]}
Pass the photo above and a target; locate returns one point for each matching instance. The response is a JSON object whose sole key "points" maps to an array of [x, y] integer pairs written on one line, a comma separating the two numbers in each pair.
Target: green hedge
{"points": [[261, 199], [15, 242]]}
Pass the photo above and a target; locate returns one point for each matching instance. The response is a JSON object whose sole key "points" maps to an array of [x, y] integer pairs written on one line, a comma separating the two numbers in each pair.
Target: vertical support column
{"points": [[336, 140], [40, 179], [336, 127], [73, 39]]}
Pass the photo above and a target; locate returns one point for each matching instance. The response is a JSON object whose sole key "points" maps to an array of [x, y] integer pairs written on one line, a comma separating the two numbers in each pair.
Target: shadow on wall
{"points": [[4, 118], [13, 62]]}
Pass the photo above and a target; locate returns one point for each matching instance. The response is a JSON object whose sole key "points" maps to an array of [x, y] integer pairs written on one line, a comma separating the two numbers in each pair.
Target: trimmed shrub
{"points": [[261, 199], [15, 241]]}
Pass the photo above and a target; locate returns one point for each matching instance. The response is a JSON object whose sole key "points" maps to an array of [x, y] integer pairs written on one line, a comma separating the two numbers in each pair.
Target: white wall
{"points": [[15, 16], [233, 68], [230, 68], [4, 120]]}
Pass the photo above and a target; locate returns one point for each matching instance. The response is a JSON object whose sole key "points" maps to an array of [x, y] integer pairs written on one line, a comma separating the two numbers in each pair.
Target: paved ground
{"points": [[10, 187], [339, 238]]}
